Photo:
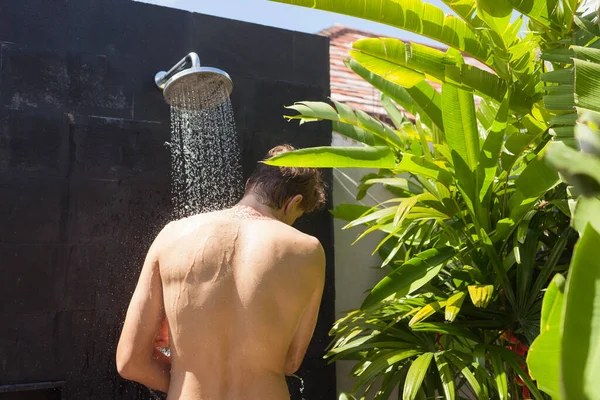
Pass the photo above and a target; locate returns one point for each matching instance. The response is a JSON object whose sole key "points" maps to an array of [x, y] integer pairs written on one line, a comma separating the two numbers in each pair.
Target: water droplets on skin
{"points": [[205, 154]]}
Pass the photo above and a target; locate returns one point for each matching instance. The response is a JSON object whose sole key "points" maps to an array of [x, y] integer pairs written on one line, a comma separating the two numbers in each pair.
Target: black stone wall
{"points": [[84, 172]]}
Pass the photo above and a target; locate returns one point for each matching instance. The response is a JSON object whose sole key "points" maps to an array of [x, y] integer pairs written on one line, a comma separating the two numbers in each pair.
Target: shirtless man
{"points": [[240, 291]]}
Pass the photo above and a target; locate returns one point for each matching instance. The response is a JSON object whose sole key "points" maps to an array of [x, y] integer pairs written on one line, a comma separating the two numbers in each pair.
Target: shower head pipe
{"points": [[190, 61]]}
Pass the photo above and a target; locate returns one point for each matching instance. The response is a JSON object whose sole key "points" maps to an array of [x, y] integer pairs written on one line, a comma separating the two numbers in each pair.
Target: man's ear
{"points": [[294, 201]]}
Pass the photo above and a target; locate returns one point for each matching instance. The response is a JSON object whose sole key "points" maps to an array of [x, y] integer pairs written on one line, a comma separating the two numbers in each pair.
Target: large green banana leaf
{"points": [[354, 124], [336, 157], [543, 358], [408, 64], [422, 98], [581, 322], [411, 15]]}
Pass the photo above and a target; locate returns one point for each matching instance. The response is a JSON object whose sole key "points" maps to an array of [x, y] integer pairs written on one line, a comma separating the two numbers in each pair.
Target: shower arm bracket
{"points": [[162, 77]]}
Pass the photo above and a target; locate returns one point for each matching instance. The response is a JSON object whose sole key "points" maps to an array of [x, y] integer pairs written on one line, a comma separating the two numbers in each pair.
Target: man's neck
{"points": [[251, 201]]}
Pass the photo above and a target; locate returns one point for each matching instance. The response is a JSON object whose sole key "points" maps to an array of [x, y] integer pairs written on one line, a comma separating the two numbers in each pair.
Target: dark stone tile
{"points": [[232, 46], [31, 210], [36, 21], [121, 150], [106, 388], [33, 79], [242, 101], [150, 104], [29, 349], [36, 78], [97, 389], [311, 59], [33, 278], [33, 145], [321, 339], [51, 391], [269, 107], [129, 212], [101, 276], [118, 28], [123, 264], [88, 342], [99, 86]]}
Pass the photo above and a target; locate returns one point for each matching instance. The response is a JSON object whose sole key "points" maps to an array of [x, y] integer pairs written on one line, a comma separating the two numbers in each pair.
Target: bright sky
{"points": [[285, 16]]}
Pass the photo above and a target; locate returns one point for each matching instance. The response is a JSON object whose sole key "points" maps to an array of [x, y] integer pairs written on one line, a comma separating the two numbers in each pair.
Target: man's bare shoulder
{"points": [[302, 244]]}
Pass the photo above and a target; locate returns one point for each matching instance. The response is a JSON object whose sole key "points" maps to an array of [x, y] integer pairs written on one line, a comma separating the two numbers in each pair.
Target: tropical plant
{"points": [[479, 222], [565, 357]]}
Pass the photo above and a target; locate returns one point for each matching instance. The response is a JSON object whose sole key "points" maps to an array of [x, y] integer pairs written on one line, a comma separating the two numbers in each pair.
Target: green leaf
{"points": [[387, 387], [481, 295], [420, 166], [587, 211], [579, 169], [354, 124], [453, 305], [400, 183], [381, 363], [359, 345], [517, 364], [446, 376], [349, 212], [587, 53], [499, 375], [389, 71], [392, 111], [425, 312], [581, 323], [564, 76], [407, 64], [373, 214], [336, 157], [543, 12], [535, 180], [587, 84], [464, 369], [445, 329], [413, 16], [415, 376], [460, 124], [410, 276], [543, 358], [421, 98]]}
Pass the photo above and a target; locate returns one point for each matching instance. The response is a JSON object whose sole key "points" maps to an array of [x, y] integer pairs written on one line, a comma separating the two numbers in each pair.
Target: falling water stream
{"points": [[205, 154], [301, 385]]}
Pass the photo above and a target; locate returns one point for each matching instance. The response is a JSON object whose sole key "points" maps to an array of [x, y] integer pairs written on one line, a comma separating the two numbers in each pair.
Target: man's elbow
{"points": [[126, 365], [291, 367]]}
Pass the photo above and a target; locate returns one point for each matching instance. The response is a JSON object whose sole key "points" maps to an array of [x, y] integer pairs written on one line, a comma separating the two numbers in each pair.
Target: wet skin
{"points": [[240, 293]]}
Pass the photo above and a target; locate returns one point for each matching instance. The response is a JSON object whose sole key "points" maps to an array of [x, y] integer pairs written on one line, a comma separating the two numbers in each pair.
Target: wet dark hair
{"points": [[275, 185]]}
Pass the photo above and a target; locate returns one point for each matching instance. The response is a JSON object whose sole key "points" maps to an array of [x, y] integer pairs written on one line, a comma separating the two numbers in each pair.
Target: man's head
{"points": [[289, 192]]}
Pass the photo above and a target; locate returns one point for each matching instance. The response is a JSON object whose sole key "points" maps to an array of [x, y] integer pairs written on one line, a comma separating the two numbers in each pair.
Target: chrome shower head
{"points": [[194, 87]]}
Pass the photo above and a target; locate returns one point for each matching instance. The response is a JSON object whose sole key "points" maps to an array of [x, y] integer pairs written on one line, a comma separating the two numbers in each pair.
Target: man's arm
{"points": [[308, 321], [137, 358]]}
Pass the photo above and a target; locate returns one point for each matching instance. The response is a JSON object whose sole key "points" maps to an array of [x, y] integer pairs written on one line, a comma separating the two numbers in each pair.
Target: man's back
{"points": [[236, 287]]}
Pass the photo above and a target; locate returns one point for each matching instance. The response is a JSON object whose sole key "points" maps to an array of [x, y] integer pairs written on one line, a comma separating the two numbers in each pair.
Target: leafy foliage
{"points": [[479, 221], [565, 357]]}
